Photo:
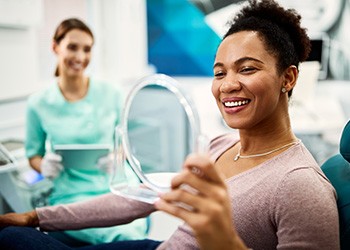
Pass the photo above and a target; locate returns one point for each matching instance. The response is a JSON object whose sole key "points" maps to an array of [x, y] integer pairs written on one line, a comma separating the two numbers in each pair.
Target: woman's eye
{"points": [[219, 74], [247, 70]]}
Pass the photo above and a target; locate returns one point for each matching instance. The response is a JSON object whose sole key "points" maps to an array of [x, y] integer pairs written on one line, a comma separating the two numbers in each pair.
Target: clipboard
{"points": [[81, 156]]}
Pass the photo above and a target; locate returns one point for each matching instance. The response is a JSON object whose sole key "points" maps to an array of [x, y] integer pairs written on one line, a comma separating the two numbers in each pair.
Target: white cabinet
{"points": [[18, 47], [20, 14]]}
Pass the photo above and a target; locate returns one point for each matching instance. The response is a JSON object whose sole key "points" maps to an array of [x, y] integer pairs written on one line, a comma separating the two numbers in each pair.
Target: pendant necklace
{"points": [[238, 155]]}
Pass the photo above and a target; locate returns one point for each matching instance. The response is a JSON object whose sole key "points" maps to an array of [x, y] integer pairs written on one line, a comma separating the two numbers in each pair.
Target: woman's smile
{"points": [[234, 105]]}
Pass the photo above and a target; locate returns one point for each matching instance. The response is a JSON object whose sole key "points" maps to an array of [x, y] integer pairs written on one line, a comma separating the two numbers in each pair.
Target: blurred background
{"points": [[174, 37]]}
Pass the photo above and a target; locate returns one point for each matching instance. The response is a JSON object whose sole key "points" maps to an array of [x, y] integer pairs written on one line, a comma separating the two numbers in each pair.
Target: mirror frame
{"points": [[173, 86]]}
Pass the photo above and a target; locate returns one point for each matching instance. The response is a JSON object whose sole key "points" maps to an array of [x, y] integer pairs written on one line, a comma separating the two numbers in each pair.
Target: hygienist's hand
{"points": [[28, 219], [105, 164], [210, 211], [51, 165]]}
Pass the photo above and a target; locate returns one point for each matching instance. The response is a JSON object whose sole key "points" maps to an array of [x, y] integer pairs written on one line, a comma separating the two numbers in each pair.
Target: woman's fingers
{"points": [[13, 219], [203, 167], [198, 211], [174, 209], [185, 206], [199, 196], [200, 175], [199, 191], [29, 219]]}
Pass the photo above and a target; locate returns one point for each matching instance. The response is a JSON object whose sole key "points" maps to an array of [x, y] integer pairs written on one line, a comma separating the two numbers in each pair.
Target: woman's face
{"points": [[246, 85], [74, 53]]}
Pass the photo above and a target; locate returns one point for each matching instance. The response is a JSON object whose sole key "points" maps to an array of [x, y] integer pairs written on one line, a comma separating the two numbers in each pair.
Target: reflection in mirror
{"points": [[159, 128]]}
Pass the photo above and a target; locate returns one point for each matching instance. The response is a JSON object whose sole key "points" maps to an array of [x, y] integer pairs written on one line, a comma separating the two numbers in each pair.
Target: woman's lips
{"points": [[231, 104], [234, 105]]}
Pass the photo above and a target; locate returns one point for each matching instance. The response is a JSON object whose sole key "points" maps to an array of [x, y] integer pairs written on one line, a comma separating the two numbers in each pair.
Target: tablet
{"points": [[81, 156]]}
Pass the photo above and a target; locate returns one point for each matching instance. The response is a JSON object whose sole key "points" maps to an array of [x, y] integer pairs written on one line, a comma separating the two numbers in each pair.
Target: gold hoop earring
{"points": [[284, 90]]}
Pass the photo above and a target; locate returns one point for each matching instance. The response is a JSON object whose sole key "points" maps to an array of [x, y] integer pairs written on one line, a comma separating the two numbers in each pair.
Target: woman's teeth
{"points": [[77, 66], [235, 104]]}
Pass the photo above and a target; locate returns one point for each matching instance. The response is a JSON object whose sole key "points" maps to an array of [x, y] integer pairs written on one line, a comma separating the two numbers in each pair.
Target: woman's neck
{"points": [[73, 89], [266, 138]]}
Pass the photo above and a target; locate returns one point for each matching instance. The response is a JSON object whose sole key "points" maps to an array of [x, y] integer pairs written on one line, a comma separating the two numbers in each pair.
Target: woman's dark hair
{"points": [[67, 25], [279, 28]]}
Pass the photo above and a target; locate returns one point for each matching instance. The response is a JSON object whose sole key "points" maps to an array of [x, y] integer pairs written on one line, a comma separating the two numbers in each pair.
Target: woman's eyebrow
{"points": [[218, 64], [244, 59], [240, 61]]}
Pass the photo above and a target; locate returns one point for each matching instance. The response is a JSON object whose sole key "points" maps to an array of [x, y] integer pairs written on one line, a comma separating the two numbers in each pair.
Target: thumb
{"points": [[53, 157], [103, 160]]}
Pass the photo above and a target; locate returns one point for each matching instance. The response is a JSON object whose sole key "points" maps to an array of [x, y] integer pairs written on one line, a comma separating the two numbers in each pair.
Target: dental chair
{"points": [[337, 169]]}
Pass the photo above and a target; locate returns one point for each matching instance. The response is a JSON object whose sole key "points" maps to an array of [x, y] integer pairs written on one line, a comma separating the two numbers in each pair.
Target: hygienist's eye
{"points": [[72, 47], [87, 49]]}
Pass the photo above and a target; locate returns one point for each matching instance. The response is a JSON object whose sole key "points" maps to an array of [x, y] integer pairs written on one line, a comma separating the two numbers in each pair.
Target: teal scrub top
{"points": [[52, 120]]}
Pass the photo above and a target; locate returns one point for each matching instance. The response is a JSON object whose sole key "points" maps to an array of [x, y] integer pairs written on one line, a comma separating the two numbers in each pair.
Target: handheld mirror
{"points": [[159, 128]]}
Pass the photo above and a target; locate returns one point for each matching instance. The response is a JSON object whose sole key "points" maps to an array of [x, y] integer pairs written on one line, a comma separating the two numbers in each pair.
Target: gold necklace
{"points": [[238, 155]]}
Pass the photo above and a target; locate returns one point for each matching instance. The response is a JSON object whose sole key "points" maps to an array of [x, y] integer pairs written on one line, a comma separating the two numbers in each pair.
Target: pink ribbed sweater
{"points": [[283, 203]]}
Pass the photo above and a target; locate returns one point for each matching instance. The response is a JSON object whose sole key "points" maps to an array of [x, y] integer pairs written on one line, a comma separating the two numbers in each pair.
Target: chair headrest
{"points": [[345, 142]]}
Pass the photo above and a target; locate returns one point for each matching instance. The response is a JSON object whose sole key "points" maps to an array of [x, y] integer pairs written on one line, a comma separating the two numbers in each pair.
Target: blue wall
{"points": [[180, 43]]}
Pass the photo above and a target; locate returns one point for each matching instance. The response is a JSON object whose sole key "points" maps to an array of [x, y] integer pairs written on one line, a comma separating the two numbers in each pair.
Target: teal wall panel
{"points": [[180, 43]]}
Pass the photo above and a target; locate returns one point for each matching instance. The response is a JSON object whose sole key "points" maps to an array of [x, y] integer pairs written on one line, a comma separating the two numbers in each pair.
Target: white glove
{"points": [[105, 164], [51, 165]]}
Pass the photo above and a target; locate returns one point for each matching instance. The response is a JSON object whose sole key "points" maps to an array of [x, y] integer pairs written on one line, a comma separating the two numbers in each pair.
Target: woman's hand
{"points": [[28, 219], [207, 206]]}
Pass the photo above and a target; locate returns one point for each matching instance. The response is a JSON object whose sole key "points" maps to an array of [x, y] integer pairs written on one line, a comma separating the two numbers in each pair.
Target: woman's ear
{"points": [[290, 77], [54, 47]]}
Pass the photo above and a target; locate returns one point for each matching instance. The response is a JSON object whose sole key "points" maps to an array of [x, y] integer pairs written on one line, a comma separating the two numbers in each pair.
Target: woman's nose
{"points": [[230, 84], [80, 55]]}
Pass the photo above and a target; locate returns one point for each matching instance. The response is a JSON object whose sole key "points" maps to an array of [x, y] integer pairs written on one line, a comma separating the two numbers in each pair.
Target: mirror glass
{"points": [[159, 128]]}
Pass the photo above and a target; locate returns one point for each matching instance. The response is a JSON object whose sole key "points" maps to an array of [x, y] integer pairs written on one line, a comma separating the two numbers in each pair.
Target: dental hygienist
{"points": [[76, 109]]}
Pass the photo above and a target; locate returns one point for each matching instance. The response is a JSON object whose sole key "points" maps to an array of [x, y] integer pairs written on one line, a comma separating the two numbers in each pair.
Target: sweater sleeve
{"points": [[306, 221], [102, 211]]}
